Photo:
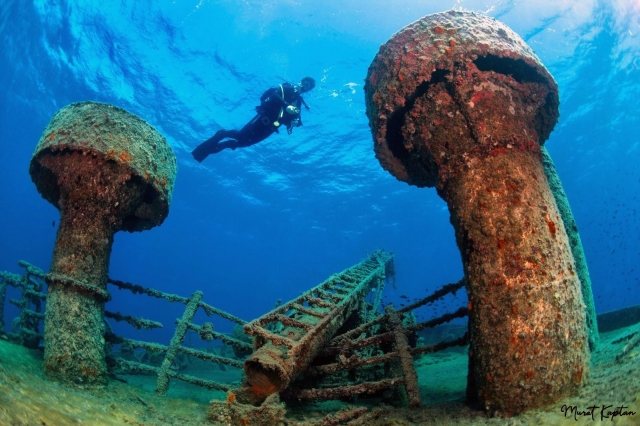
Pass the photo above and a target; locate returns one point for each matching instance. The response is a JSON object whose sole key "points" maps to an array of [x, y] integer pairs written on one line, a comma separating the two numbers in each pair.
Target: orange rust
{"points": [[90, 372], [497, 151], [231, 397], [262, 392], [578, 374], [476, 98], [552, 227], [52, 135], [438, 29], [125, 156]]}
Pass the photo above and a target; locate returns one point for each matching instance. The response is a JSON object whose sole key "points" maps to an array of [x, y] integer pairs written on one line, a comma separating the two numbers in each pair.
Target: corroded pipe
{"points": [[458, 101], [105, 170]]}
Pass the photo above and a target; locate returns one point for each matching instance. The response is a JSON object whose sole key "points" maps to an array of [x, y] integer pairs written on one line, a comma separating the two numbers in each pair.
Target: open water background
{"points": [[251, 226]]}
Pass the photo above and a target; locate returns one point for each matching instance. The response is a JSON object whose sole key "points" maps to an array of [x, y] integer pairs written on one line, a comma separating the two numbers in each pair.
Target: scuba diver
{"points": [[279, 106]]}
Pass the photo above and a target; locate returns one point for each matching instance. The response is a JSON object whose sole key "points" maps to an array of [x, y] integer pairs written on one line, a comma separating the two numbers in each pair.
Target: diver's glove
{"points": [[293, 110]]}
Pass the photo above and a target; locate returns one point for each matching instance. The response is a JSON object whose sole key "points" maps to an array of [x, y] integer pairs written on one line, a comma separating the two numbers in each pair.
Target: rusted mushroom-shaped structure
{"points": [[105, 170], [458, 101]]}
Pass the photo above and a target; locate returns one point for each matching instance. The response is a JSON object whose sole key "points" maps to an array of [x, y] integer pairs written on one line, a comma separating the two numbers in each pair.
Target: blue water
{"points": [[251, 226]]}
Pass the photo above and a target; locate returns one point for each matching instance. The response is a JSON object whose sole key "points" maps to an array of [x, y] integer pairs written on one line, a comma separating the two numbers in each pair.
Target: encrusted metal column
{"points": [[106, 170], [458, 101]]}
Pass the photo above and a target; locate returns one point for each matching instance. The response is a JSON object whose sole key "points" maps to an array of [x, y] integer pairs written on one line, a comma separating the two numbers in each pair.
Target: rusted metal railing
{"points": [[25, 328], [165, 371], [387, 335]]}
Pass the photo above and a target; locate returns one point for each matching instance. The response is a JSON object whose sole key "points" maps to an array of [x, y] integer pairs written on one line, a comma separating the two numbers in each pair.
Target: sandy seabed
{"points": [[26, 398]]}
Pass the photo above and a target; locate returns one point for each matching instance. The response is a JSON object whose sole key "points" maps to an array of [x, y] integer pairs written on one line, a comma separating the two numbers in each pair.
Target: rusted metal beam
{"points": [[284, 354], [405, 360], [461, 341], [349, 363], [460, 313], [343, 391], [436, 295]]}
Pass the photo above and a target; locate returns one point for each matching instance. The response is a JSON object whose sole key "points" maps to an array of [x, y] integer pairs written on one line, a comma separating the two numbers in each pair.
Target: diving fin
{"points": [[207, 147]]}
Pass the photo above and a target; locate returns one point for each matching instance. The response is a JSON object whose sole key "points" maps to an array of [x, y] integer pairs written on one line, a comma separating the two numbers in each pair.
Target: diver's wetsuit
{"points": [[271, 115]]}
